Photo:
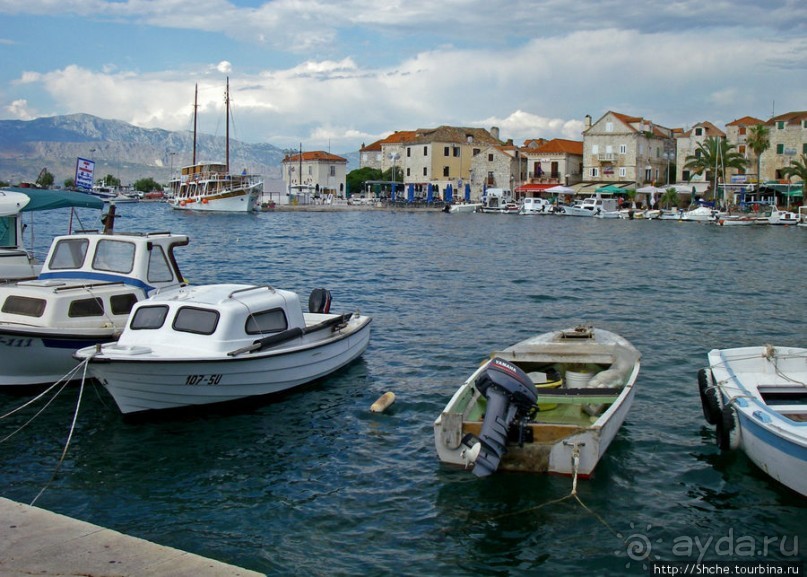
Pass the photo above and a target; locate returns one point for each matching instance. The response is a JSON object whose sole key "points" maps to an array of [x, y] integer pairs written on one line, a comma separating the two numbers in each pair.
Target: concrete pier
{"points": [[37, 542]]}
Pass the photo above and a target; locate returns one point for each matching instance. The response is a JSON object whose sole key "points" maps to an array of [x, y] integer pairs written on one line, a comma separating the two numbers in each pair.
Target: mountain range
{"points": [[122, 150]]}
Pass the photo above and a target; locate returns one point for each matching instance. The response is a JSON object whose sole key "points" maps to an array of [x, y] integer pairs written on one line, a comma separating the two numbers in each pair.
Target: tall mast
{"points": [[195, 108], [227, 101]]}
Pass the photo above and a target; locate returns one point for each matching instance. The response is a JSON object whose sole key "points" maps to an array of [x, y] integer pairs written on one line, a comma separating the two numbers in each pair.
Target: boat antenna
{"points": [[227, 103], [195, 108]]}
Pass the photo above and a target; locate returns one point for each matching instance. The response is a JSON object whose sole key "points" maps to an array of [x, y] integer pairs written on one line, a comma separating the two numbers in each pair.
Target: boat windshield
{"points": [[8, 232], [69, 253]]}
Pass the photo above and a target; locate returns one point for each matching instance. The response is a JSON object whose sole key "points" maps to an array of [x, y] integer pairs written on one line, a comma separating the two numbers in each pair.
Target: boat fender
{"points": [[710, 396], [727, 429], [383, 402]]}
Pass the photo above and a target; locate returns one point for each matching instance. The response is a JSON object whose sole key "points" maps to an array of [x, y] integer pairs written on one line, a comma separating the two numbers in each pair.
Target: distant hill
{"points": [[123, 150]]}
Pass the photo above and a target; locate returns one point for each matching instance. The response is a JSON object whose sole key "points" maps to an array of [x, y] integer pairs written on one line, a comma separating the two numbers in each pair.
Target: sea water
{"points": [[315, 484]]}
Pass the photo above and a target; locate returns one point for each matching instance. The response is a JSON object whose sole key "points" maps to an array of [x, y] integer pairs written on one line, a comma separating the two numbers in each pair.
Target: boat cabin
{"points": [[143, 260], [217, 319]]}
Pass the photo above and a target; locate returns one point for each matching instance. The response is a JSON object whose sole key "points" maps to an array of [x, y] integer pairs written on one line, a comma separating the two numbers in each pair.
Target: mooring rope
{"points": [[84, 363], [572, 495]]}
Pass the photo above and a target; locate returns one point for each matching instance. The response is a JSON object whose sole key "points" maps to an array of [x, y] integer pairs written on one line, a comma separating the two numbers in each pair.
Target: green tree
{"points": [[356, 179], [110, 180], [147, 185], [712, 157], [758, 140], [70, 183], [797, 168], [670, 198], [45, 178]]}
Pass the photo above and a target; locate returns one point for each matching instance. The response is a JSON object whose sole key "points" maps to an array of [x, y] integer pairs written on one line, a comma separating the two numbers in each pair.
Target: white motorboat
{"points": [[702, 214], [498, 201], [593, 206], [210, 186], [17, 262], [802, 216], [88, 285], [531, 206], [217, 343], [464, 207], [735, 220], [782, 217], [757, 399], [551, 403]]}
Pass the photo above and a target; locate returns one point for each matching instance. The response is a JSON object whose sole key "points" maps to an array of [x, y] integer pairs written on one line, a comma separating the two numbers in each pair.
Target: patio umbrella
{"points": [[467, 192], [560, 189], [430, 193], [449, 193]]}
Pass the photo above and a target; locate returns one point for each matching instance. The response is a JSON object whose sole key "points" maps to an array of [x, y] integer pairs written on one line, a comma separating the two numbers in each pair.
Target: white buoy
{"points": [[383, 402]]}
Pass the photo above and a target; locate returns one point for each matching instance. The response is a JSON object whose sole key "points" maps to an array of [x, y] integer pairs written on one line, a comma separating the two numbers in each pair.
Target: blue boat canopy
{"points": [[49, 199]]}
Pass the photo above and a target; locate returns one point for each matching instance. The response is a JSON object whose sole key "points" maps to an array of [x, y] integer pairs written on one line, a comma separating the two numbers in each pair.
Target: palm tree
{"points": [[669, 198], [713, 156], [797, 168], [758, 140]]}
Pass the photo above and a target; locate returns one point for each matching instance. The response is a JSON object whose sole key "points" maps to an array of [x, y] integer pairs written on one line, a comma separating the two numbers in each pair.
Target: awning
{"points": [[534, 187], [48, 199], [793, 189], [613, 189]]}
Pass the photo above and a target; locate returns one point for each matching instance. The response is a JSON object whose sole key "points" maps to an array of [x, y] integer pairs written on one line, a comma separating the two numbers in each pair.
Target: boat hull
{"points": [[38, 358], [235, 202], [139, 383], [772, 434]]}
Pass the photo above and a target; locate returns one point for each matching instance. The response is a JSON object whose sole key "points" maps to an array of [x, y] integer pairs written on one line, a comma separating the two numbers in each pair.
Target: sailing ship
{"points": [[210, 186]]}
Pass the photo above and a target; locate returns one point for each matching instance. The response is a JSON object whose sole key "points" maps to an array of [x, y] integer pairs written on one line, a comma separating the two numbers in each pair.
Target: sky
{"points": [[336, 74]]}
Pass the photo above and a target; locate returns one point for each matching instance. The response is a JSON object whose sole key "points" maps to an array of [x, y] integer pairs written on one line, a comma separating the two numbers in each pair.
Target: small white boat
{"points": [[757, 399], [802, 216], [735, 220], [464, 207], [531, 206], [551, 403], [702, 214], [593, 206], [88, 285], [498, 201], [218, 343], [782, 217]]}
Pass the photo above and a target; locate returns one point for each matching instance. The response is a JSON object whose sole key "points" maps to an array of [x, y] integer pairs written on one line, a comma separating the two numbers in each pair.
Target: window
{"points": [[780, 125], [609, 149], [425, 151], [446, 151], [741, 149], [609, 127], [197, 321], [595, 149], [92, 307], [780, 149], [804, 148], [742, 130], [425, 171], [114, 256], [445, 171], [408, 171], [457, 150], [804, 123], [8, 231], [623, 149], [699, 132], [623, 171], [332, 171], [272, 321], [151, 317], [159, 270], [310, 169], [490, 157], [26, 306], [595, 172], [69, 253], [409, 152], [122, 304]]}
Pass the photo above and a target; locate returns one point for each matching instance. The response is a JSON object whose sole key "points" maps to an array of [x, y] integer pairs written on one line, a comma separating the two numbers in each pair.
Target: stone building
{"points": [[550, 163], [314, 176], [788, 138], [627, 151], [687, 144]]}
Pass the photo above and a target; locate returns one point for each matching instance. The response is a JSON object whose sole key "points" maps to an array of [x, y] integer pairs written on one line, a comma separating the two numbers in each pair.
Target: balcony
{"points": [[606, 157]]}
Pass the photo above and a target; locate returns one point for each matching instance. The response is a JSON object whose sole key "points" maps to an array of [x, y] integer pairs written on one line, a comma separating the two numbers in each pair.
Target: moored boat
{"points": [[211, 186], [219, 343], [530, 206], [757, 399], [551, 403], [88, 285]]}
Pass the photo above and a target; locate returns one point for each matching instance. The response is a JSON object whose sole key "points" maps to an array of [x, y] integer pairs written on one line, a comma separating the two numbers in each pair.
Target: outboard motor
{"points": [[510, 394], [319, 301]]}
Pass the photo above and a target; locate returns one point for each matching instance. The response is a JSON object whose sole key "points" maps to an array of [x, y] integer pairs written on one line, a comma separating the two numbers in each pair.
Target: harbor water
{"points": [[316, 484]]}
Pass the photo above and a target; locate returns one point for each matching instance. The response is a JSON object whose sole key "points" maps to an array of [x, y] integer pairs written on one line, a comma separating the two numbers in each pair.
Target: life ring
{"points": [[710, 397], [727, 429]]}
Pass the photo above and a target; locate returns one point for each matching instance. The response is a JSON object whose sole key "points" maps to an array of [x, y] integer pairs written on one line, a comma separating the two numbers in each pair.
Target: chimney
{"points": [[494, 132], [588, 122]]}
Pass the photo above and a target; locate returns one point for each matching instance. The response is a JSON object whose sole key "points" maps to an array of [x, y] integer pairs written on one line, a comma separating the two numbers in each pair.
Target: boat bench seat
{"points": [[790, 409], [598, 396]]}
